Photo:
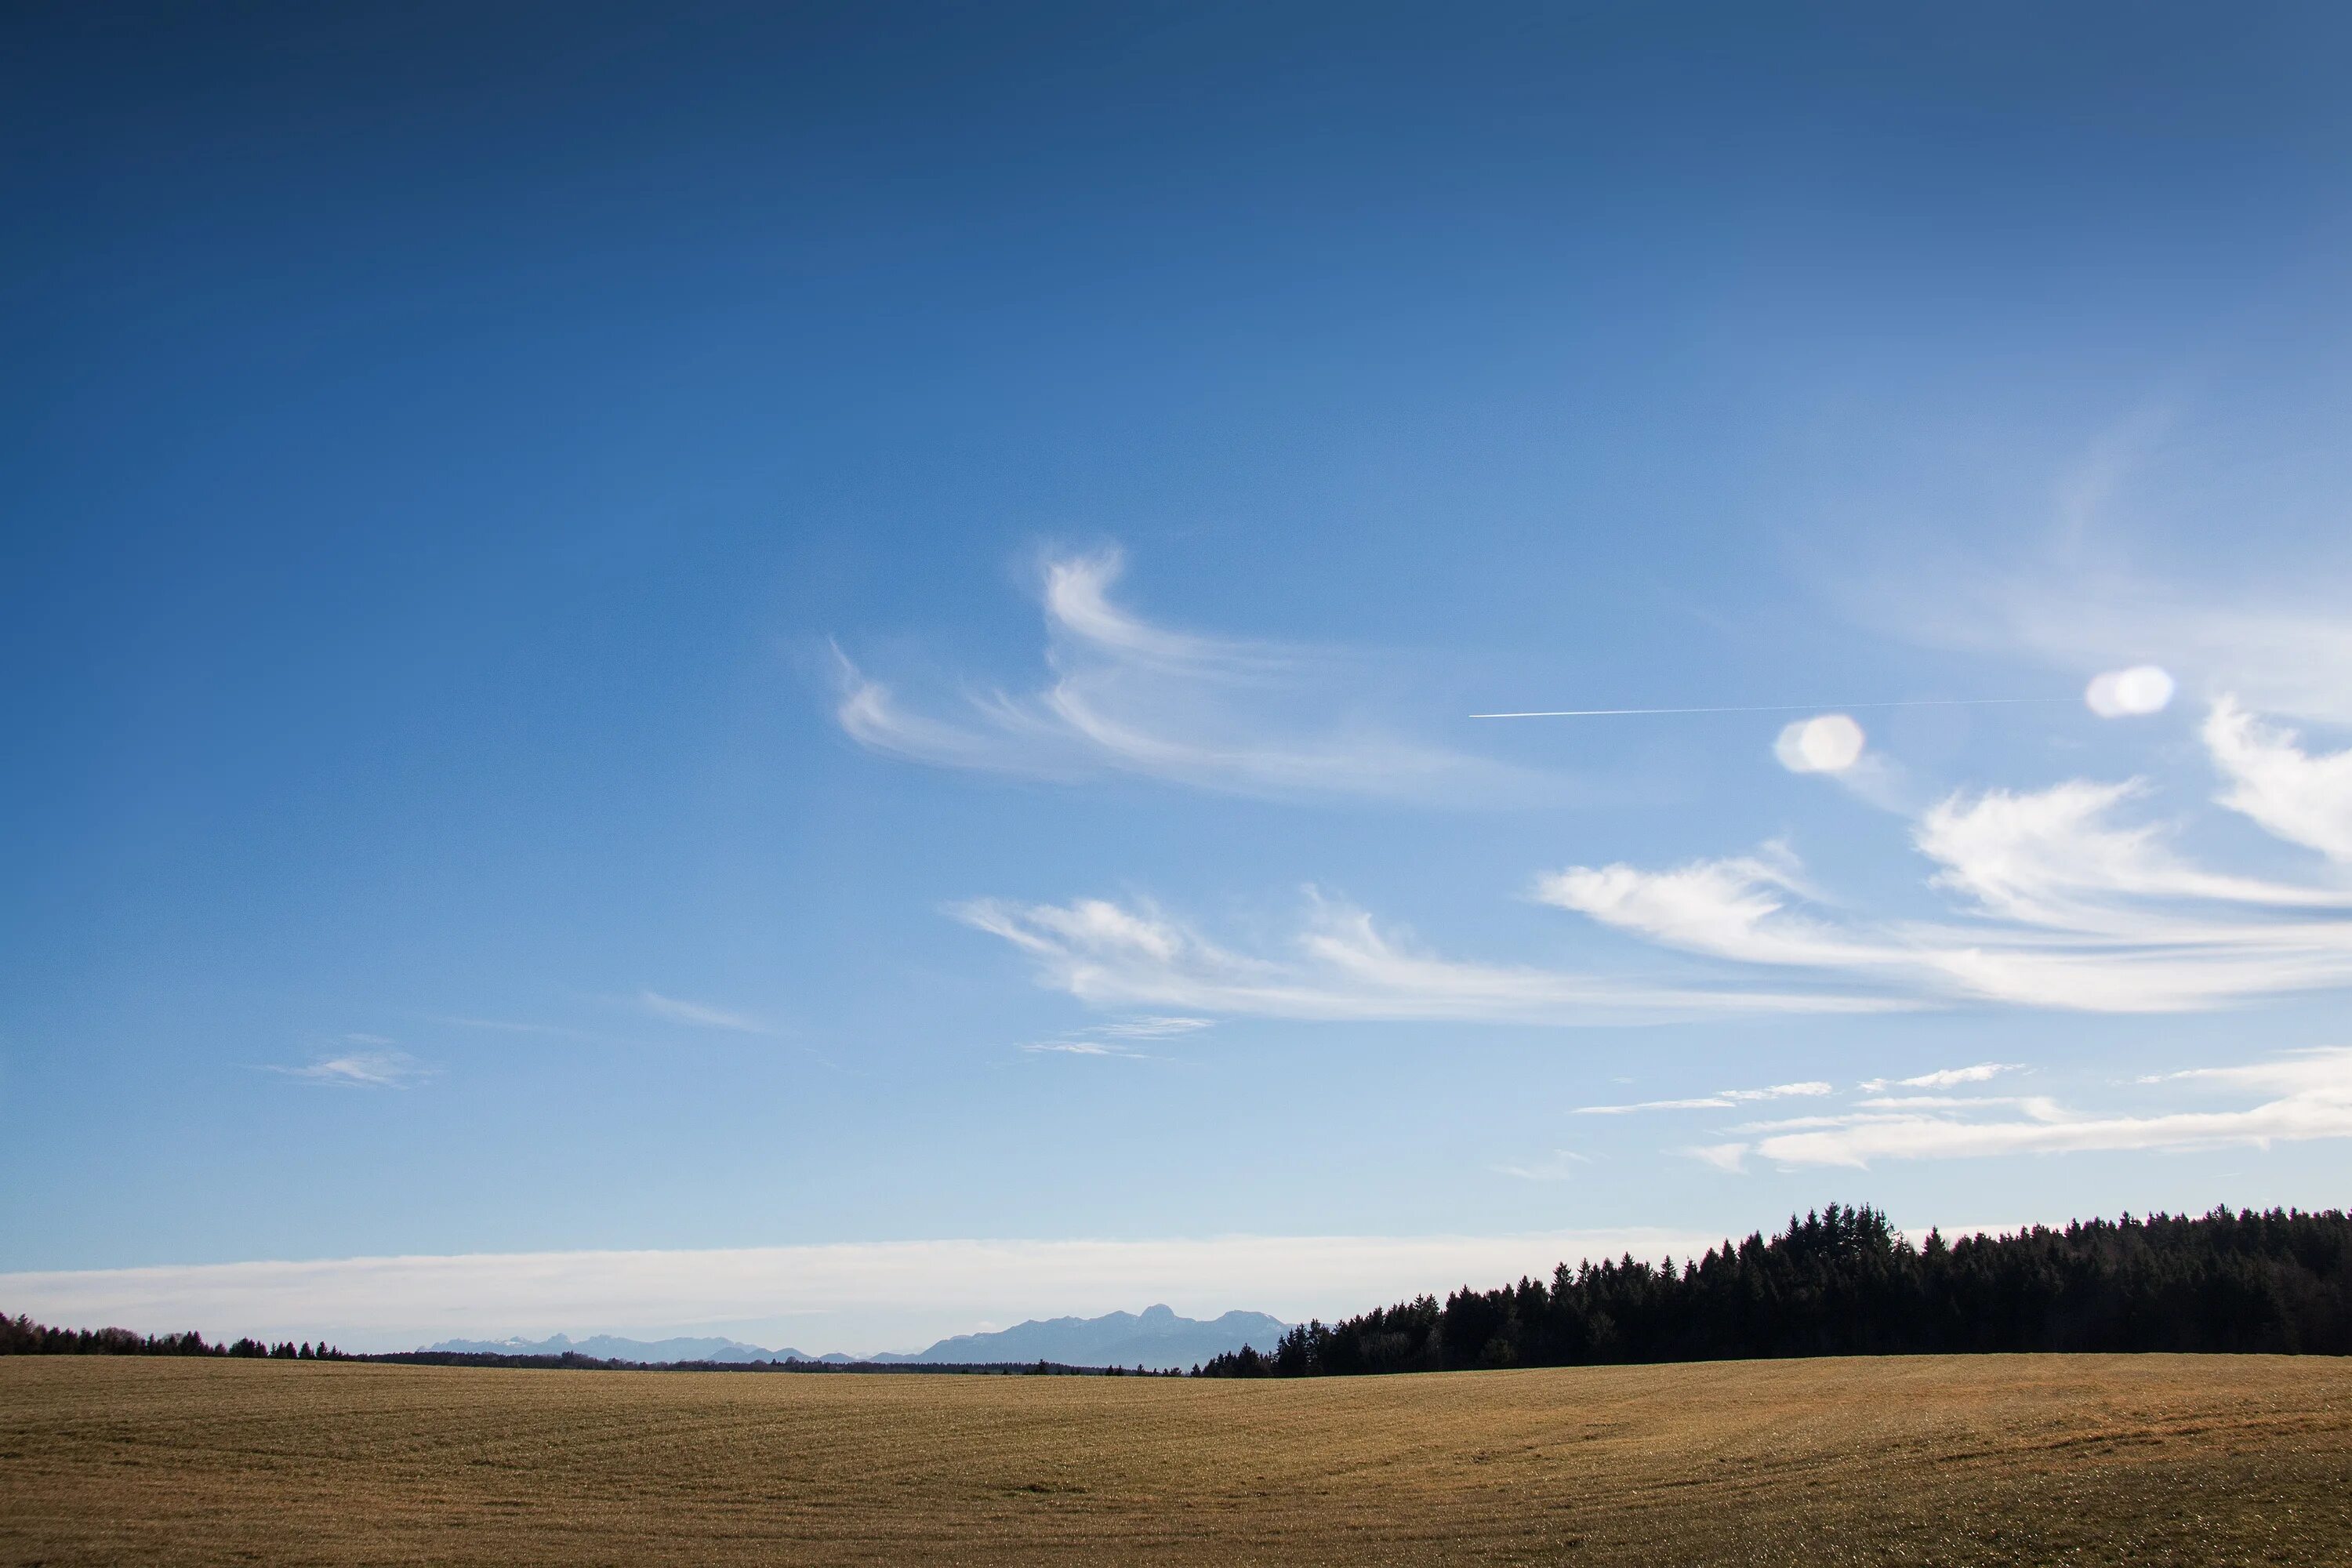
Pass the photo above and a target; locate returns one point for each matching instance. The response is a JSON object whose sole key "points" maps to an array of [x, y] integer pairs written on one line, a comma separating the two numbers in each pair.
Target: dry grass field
{"points": [[2093, 1460]]}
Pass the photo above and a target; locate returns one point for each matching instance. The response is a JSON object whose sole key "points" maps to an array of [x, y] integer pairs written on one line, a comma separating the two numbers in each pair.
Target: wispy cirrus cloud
{"points": [[365, 1068], [1720, 1101], [1081, 1046], [1338, 965], [1560, 1165], [2286, 649], [1120, 1037], [699, 1014], [1945, 1077], [2309, 1096], [2057, 898], [2296, 796], [1150, 1028], [2058, 903], [1128, 697]]}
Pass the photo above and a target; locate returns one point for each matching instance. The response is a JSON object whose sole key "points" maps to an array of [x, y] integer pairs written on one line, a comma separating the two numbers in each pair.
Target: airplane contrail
{"points": [[1777, 708]]}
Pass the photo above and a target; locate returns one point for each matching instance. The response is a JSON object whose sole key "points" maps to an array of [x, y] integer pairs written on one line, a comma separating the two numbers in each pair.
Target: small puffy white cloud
{"points": [[1830, 743], [2129, 694]]}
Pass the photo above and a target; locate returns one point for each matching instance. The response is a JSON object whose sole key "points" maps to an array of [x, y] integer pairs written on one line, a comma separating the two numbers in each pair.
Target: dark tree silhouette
{"points": [[1843, 1282]]}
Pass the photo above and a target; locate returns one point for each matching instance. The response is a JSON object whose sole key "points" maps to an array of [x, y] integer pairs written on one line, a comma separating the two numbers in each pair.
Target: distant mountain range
{"points": [[610, 1347], [1155, 1337]]}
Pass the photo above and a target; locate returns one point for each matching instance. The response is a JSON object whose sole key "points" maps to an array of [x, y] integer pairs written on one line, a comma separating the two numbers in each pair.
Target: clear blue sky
{"points": [[755, 627]]}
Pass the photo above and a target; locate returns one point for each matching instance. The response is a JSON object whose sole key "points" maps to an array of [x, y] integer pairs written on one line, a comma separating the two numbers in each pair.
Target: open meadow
{"points": [[2121, 1459]]}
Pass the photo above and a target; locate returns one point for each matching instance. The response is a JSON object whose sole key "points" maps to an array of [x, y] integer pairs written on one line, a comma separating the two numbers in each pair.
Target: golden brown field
{"points": [[2122, 1460]]}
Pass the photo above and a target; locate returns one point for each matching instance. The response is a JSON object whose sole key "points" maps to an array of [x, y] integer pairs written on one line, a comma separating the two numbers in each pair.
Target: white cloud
{"points": [[1919, 1101], [1828, 744], [2057, 901], [2281, 655], [2142, 689], [2313, 1100], [1118, 1037], [1560, 1165], [2281, 643], [1129, 696], [699, 1015], [361, 1070], [1150, 1028], [1083, 1047], [2301, 798], [503, 1026], [1734, 908], [1945, 1077], [2062, 907], [2053, 857], [1720, 1100], [859, 1296], [1338, 965]]}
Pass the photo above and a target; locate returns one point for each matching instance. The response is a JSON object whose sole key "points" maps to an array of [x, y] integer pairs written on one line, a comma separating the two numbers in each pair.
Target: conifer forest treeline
{"points": [[1843, 1282]]}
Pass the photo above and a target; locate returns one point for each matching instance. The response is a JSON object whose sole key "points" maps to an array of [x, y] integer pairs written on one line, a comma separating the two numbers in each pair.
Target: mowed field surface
{"points": [[2121, 1459]]}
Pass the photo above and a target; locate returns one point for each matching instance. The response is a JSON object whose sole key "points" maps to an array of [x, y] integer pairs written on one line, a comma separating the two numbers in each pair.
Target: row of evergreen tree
{"points": [[1844, 1282], [22, 1336]]}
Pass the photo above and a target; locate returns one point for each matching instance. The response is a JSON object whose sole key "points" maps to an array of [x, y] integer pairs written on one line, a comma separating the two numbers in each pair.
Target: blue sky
{"points": [[856, 628]]}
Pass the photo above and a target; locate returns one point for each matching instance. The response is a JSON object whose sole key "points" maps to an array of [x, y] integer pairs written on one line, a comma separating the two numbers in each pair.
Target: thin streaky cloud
{"points": [[1115, 1039], [1775, 708], [699, 1014], [2288, 792], [1721, 1100], [1151, 1028], [1083, 1049], [1339, 965], [2283, 646], [1919, 1101], [503, 1026], [1866, 1113], [1945, 1077], [360, 1069], [2311, 1099], [1560, 1165], [1128, 697], [2059, 904]]}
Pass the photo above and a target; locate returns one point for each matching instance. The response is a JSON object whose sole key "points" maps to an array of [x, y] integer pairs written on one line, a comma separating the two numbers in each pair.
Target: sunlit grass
{"points": [[1987, 1460]]}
